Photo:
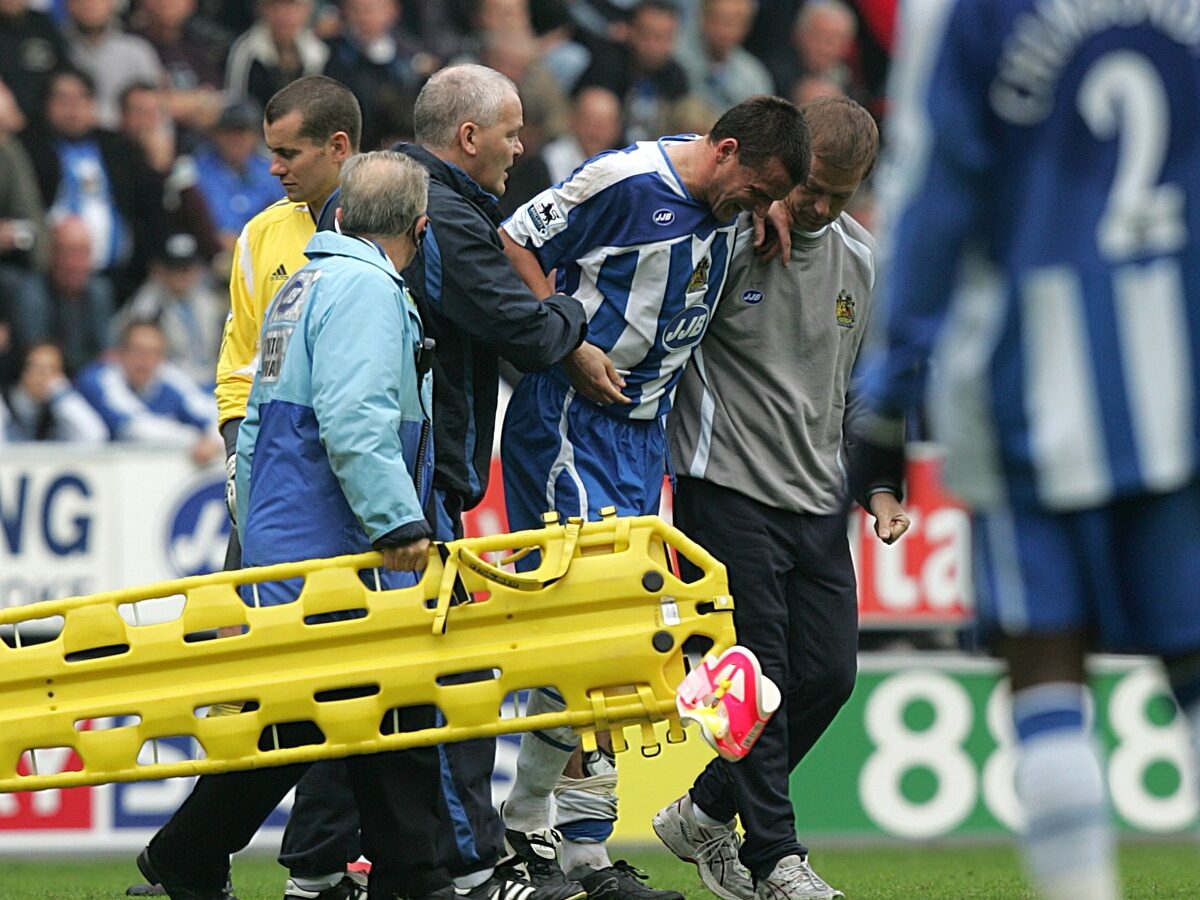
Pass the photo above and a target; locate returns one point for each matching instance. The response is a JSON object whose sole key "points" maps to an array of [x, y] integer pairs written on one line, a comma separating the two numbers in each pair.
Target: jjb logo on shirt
{"points": [[687, 328]]}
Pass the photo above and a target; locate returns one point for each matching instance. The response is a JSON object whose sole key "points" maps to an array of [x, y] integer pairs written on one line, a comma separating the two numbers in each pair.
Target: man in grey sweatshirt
{"points": [[757, 436]]}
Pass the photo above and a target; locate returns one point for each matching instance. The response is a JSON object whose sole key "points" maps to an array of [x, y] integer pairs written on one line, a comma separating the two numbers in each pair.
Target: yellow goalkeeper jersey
{"points": [[269, 250]]}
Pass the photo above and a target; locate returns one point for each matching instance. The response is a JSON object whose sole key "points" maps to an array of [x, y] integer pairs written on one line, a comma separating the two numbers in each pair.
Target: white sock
{"points": [[1068, 847], [539, 766], [704, 818], [577, 856], [473, 880], [540, 762]]}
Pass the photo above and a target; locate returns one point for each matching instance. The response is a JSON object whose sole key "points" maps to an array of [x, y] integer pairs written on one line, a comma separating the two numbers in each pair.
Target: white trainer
{"points": [[794, 879], [713, 849]]}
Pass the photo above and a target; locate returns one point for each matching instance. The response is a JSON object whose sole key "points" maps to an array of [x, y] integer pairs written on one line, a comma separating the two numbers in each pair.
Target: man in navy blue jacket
{"points": [[477, 309]]}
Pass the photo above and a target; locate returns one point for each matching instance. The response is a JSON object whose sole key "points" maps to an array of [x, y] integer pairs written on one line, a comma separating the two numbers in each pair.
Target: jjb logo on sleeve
{"points": [[687, 328], [545, 216]]}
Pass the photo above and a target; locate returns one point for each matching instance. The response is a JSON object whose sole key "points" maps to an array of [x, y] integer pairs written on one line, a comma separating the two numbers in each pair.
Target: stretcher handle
{"points": [[556, 560]]}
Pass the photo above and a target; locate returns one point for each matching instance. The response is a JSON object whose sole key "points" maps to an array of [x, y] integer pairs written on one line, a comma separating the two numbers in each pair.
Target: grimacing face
{"points": [[739, 188]]}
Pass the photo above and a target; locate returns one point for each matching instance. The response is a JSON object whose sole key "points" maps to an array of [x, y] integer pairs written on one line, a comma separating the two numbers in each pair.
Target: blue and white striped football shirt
{"points": [[1044, 199], [645, 258]]}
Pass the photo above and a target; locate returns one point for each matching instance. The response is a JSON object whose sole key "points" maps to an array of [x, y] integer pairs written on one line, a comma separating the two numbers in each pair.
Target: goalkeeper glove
{"points": [[231, 486], [229, 432]]}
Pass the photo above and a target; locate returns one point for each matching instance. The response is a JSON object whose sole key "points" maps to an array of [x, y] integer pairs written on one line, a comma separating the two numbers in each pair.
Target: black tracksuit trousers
{"points": [[795, 606]]}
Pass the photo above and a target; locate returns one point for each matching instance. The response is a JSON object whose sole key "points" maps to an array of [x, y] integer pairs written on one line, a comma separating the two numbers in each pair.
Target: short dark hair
{"points": [[326, 106], [767, 128]]}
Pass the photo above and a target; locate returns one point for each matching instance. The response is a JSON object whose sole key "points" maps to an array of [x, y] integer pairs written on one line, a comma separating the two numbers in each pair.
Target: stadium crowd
{"points": [[132, 152]]}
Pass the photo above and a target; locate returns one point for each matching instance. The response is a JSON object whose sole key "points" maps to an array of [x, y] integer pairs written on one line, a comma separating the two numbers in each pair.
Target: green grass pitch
{"points": [[1150, 871]]}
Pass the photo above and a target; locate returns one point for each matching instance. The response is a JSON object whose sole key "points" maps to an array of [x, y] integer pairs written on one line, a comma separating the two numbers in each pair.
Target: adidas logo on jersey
{"points": [[279, 274]]}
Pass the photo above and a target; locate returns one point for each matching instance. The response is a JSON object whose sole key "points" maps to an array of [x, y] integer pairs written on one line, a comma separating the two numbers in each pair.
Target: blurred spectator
{"points": [[179, 297], [79, 300], [192, 53], [394, 116], [564, 57], [146, 120], [372, 51], [501, 17], [234, 173], [231, 16], [595, 126], [770, 37], [503, 40], [692, 115], [10, 363], [642, 71], [279, 48], [114, 59], [23, 240], [602, 20], [515, 54], [823, 42], [439, 25], [144, 398], [42, 405], [810, 87], [720, 70], [31, 47], [99, 175]]}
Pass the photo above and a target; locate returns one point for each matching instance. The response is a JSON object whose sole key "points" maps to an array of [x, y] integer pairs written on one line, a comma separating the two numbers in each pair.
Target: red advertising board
{"points": [[923, 580]]}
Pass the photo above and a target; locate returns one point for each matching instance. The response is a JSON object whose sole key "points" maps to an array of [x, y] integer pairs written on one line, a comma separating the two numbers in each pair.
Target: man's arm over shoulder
{"points": [[470, 279]]}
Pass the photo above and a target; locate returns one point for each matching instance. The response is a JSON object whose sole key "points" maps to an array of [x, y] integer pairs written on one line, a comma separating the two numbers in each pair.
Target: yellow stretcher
{"points": [[602, 620]]}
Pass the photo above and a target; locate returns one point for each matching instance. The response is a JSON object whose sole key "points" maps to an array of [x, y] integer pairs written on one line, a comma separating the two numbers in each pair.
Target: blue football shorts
{"points": [[562, 452], [1129, 572]]}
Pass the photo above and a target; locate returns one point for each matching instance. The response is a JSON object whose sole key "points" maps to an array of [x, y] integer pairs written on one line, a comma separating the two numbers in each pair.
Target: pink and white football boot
{"points": [[731, 700]]}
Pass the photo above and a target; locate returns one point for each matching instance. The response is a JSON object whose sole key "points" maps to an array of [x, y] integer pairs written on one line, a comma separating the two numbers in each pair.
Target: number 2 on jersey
{"points": [[1122, 96]]}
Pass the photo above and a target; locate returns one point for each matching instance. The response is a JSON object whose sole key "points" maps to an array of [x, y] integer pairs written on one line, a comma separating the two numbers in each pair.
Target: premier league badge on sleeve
{"points": [[545, 216]]}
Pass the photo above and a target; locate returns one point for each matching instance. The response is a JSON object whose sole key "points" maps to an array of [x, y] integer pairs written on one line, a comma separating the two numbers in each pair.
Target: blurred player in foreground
{"points": [[1043, 209]]}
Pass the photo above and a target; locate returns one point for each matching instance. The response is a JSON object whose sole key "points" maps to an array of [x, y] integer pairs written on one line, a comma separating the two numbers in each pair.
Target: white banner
{"points": [[76, 522]]}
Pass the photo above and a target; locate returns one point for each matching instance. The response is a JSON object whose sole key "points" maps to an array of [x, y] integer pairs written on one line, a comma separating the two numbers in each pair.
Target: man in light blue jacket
{"points": [[335, 453], [334, 458]]}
